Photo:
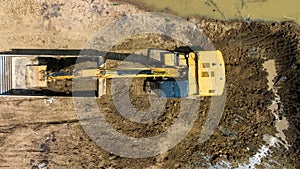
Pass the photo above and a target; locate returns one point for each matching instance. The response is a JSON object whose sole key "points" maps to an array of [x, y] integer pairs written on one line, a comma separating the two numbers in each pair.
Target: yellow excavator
{"points": [[181, 74]]}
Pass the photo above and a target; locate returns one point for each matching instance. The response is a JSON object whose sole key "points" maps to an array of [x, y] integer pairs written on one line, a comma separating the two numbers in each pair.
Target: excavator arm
{"points": [[103, 73]]}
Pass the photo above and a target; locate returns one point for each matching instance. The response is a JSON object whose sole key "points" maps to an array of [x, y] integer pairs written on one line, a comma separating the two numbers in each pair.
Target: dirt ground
{"points": [[45, 133]]}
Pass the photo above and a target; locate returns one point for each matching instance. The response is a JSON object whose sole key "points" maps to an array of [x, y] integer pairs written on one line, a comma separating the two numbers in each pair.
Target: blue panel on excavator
{"points": [[175, 89]]}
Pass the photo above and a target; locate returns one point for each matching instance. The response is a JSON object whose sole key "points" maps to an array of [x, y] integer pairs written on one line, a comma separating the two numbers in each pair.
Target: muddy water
{"points": [[267, 10], [270, 67], [281, 124]]}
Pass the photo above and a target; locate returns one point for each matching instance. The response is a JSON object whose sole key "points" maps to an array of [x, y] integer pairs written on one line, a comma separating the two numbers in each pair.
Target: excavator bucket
{"points": [[35, 76]]}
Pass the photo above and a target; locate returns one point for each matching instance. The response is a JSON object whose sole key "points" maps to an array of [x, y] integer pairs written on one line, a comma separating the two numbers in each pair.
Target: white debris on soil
{"points": [[49, 100], [263, 151], [42, 165], [219, 165], [256, 159]]}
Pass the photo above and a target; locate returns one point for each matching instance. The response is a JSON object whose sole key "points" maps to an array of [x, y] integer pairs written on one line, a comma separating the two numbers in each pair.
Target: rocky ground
{"points": [[45, 133]]}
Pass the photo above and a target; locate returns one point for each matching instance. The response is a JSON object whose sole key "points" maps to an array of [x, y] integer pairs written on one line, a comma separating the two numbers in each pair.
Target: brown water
{"points": [[271, 69], [267, 10], [280, 124]]}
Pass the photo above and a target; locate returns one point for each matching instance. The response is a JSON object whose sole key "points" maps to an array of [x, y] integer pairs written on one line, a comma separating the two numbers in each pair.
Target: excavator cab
{"points": [[205, 75]]}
